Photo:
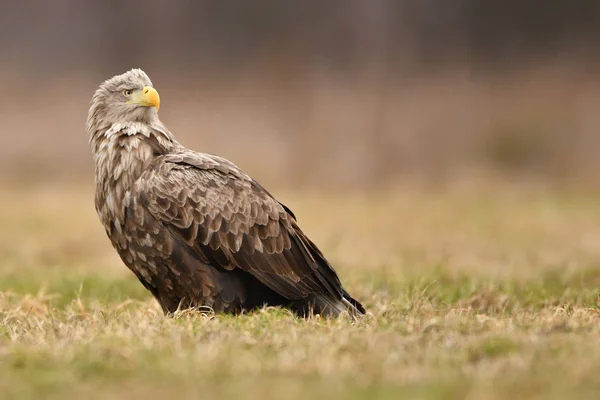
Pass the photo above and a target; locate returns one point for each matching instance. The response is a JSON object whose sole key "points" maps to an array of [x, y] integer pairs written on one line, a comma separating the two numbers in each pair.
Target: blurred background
{"points": [[338, 93], [443, 154]]}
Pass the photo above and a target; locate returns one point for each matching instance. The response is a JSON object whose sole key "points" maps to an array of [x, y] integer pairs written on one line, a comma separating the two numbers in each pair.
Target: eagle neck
{"points": [[121, 154]]}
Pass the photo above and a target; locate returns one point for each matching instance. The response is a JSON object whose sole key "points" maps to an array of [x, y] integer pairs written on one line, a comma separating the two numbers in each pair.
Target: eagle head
{"points": [[124, 98]]}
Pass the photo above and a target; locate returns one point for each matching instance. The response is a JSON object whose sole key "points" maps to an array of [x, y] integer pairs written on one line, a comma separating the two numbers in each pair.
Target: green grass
{"points": [[471, 295]]}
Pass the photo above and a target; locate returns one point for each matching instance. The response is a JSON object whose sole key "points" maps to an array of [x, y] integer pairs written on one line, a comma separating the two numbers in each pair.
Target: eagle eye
{"points": [[127, 92]]}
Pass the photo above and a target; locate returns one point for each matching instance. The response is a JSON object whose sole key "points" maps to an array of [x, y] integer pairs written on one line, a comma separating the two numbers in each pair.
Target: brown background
{"points": [[348, 94]]}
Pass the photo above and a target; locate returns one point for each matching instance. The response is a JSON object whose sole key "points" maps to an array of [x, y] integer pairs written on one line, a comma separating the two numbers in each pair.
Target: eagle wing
{"points": [[229, 221]]}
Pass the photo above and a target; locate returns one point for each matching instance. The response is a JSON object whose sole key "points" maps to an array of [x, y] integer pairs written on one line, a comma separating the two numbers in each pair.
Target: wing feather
{"points": [[230, 220]]}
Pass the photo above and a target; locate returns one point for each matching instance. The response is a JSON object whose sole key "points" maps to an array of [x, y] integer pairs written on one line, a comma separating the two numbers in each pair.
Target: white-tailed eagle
{"points": [[193, 227]]}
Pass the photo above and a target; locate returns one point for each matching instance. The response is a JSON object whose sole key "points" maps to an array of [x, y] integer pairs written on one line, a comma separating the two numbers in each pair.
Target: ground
{"points": [[472, 293]]}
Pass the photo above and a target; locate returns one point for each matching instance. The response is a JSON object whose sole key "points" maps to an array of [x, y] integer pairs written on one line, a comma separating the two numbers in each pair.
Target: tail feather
{"points": [[353, 302], [325, 305]]}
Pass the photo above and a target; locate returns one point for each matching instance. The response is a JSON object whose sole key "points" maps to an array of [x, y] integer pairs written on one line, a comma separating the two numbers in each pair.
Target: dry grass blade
{"points": [[469, 299]]}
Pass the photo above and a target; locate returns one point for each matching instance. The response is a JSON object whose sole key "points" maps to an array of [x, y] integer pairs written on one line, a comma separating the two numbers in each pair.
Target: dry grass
{"points": [[479, 294]]}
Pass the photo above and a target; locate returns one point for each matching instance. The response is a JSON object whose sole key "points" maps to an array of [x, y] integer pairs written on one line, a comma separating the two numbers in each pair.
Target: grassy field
{"points": [[478, 294]]}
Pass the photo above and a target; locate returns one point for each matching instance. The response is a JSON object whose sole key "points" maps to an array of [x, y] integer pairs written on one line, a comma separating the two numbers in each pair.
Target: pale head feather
{"points": [[109, 105], [124, 135]]}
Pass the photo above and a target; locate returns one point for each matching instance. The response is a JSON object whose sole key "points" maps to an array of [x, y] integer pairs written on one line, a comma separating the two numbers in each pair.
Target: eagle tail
{"points": [[325, 305], [351, 303]]}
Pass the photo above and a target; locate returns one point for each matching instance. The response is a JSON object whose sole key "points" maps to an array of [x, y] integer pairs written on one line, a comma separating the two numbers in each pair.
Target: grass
{"points": [[483, 294]]}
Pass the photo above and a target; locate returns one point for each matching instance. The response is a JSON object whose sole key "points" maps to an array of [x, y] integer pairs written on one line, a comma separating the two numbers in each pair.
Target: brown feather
{"points": [[193, 227]]}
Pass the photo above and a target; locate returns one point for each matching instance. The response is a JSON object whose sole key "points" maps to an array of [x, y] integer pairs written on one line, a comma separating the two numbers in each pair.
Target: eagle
{"points": [[195, 229]]}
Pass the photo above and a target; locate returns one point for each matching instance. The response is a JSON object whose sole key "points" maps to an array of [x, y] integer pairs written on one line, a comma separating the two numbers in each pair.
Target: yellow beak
{"points": [[148, 97]]}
